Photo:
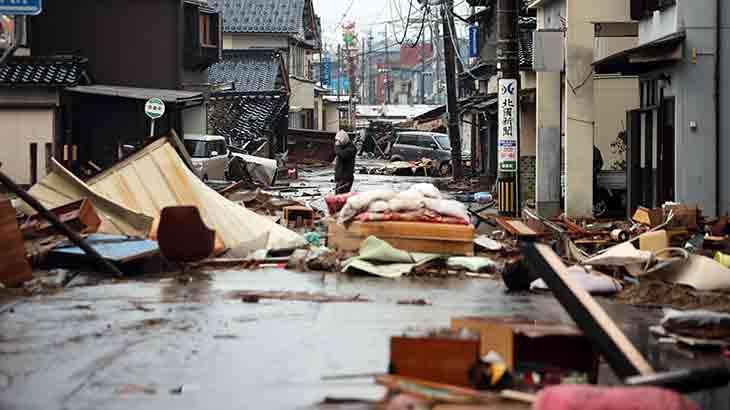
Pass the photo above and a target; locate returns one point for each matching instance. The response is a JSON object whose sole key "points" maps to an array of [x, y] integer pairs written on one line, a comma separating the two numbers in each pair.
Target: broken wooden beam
{"points": [[57, 224]]}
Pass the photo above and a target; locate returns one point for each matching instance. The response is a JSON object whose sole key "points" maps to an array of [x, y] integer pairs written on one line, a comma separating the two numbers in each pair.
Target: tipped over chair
{"points": [[183, 236]]}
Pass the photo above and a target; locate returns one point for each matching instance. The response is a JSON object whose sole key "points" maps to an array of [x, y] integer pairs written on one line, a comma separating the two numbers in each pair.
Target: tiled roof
{"points": [[261, 16], [56, 71], [526, 46], [246, 118], [250, 70]]}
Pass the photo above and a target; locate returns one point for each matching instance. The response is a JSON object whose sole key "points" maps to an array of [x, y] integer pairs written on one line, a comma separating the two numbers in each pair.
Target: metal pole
{"points": [[508, 185], [57, 224], [451, 97], [152, 128], [387, 67], [422, 83], [371, 84], [339, 70]]}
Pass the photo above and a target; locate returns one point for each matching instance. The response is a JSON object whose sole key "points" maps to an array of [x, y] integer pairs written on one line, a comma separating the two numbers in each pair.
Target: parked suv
{"points": [[416, 145], [209, 155]]}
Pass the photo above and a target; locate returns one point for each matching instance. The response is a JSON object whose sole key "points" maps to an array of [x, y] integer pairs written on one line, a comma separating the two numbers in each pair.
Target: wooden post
{"points": [[33, 163], [57, 224], [49, 156]]}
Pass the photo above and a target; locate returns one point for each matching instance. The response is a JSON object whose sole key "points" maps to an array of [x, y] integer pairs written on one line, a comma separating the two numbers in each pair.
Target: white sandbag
{"points": [[448, 208], [405, 205], [410, 196], [594, 283], [379, 207], [360, 202], [427, 190]]}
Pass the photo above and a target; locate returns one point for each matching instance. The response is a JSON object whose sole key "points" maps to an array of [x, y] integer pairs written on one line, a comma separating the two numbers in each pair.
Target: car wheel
{"points": [[445, 169]]}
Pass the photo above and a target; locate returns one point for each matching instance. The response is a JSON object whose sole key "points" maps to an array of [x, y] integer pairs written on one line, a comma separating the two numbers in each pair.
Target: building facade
{"points": [[290, 27]]}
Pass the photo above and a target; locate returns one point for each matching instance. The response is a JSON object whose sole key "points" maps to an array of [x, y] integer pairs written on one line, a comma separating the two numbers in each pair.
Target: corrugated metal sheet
{"points": [[130, 195], [156, 177]]}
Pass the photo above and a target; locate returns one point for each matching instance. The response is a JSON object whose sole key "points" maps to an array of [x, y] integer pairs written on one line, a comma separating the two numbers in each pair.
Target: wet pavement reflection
{"points": [[162, 344]]}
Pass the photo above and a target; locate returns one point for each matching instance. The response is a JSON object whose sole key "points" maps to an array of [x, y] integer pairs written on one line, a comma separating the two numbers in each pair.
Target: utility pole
{"points": [[451, 90], [439, 55], [361, 86], [339, 70], [387, 67], [508, 146], [422, 83], [371, 87]]}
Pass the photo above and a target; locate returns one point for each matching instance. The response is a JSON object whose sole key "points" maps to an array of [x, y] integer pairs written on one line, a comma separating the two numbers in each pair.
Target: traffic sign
{"points": [[154, 108], [21, 7]]}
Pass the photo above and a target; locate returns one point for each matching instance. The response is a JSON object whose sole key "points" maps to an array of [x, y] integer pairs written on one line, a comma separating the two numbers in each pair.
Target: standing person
{"points": [[345, 166]]}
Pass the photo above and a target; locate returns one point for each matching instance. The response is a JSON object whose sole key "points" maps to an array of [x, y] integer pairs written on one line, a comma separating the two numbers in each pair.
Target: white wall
{"points": [[613, 96], [244, 41], [20, 128], [302, 94]]}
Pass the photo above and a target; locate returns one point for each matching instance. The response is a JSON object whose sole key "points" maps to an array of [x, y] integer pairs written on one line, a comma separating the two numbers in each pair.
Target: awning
{"points": [[644, 58], [168, 96]]}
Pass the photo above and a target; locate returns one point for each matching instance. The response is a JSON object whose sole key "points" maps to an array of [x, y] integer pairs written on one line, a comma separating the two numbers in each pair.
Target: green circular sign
{"points": [[154, 108]]}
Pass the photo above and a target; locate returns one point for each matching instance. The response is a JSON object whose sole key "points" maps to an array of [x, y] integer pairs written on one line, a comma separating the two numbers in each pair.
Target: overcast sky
{"points": [[366, 13]]}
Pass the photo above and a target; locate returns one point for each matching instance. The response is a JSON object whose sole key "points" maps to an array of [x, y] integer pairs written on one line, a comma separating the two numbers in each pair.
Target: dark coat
{"points": [[345, 166]]}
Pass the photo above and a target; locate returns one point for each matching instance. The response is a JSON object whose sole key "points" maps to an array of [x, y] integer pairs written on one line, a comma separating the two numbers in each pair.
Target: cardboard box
{"points": [[446, 357], [521, 341]]}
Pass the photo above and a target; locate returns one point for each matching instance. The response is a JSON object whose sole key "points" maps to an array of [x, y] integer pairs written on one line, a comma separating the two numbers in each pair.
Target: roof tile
{"points": [[54, 71], [250, 70], [261, 16]]}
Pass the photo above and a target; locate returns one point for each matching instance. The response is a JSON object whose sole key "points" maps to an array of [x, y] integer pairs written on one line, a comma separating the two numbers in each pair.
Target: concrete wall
{"points": [[302, 94], [693, 86], [20, 128], [332, 119], [579, 97], [613, 96]]}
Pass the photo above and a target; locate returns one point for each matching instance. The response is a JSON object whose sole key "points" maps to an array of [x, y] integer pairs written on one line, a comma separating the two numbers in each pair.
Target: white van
{"points": [[209, 154]]}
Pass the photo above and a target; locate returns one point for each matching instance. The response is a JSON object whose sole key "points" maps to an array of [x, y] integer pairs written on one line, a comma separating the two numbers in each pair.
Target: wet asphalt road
{"points": [[134, 344]]}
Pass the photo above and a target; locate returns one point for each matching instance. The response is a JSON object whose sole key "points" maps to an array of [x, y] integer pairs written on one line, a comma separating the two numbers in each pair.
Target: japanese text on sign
{"points": [[507, 145]]}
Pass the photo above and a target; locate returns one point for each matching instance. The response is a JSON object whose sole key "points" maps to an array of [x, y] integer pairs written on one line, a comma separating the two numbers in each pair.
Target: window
{"points": [[208, 29], [408, 139], [644, 8], [443, 141], [196, 148]]}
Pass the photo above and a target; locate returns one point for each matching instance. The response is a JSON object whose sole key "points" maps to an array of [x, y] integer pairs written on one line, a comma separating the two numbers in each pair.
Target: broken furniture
{"points": [[521, 342], [445, 357], [623, 357], [183, 236], [423, 237], [80, 216], [14, 266], [297, 216]]}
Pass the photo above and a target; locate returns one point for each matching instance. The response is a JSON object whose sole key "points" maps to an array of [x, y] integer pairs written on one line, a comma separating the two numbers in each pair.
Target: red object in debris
{"points": [[183, 236], [293, 174], [414, 216], [336, 202], [596, 398]]}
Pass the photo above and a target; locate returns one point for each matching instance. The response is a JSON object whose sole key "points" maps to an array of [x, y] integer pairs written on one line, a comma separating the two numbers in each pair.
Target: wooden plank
{"points": [[448, 394], [590, 317], [516, 227], [14, 266], [414, 230], [339, 237]]}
